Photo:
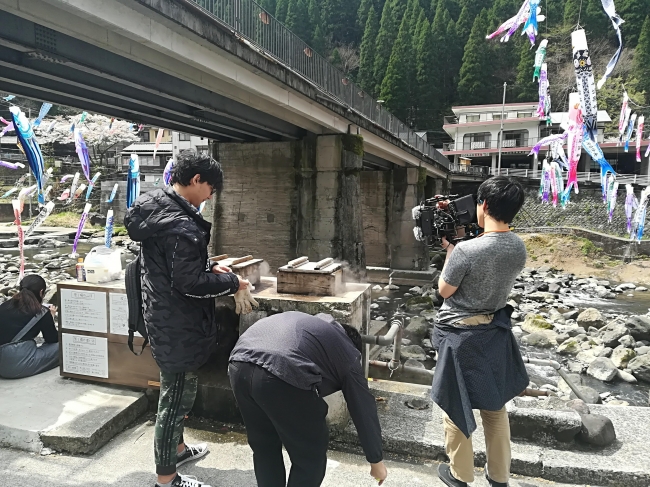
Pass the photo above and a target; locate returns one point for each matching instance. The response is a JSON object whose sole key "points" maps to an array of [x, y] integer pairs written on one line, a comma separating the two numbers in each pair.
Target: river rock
{"points": [[591, 317], [640, 367], [625, 286], [639, 327], [642, 350], [414, 364], [377, 288], [556, 316], [429, 315], [561, 338], [540, 296], [569, 347], [418, 327], [604, 352], [535, 323], [603, 369], [579, 405], [419, 303], [626, 377], [590, 395], [627, 341], [586, 356], [613, 333], [571, 315], [621, 356], [597, 430], [539, 339], [414, 352]]}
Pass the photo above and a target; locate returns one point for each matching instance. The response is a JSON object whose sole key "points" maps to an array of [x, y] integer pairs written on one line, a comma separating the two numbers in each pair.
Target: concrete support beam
{"points": [[408, 186]]}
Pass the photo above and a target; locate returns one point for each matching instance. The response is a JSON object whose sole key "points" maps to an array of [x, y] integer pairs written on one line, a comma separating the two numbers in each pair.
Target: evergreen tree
{"points": [[339, 20], [268, 5], [366, 69], [453, 61], [475, 6], [642, 60], [554, 12], [362, 15], [318, 42], [396, 88], [634, 13], [592, 17], [426, 77], [298, 20], [391, 19], [475, 85], [432, 9], [314, 14], [464, 25], [281, 8], [526, 90]]}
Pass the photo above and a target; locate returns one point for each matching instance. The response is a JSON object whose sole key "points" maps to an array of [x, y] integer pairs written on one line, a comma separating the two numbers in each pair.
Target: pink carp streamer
{"points": [[21, 237], [575, 134], [639, 136], [82, 223], [624, 114], [158, 140]]}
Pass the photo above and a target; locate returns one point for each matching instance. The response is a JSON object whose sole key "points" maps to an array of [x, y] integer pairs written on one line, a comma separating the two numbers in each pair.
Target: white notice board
{"points": [[119, 313], [85, 355], [83, 310]]}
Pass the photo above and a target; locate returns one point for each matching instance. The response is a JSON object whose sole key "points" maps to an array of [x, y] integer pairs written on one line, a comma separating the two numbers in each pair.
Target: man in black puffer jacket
{"points": [[178, 290]]}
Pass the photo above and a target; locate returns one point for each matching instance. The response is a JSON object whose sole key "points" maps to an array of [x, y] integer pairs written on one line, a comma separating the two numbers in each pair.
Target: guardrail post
{"points": [[635, 179], [526, 173]]}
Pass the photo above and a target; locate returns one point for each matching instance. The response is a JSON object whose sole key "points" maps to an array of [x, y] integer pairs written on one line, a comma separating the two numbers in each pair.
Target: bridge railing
{"points": [[271, 38], [583, 177]]}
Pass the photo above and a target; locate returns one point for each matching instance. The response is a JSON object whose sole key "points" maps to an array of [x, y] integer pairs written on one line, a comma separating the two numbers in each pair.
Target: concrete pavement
{"points": [[127, 461]]}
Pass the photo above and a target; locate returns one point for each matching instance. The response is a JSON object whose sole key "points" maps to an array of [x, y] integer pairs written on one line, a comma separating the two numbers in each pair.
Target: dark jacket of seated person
{"points": [[14, 315]]}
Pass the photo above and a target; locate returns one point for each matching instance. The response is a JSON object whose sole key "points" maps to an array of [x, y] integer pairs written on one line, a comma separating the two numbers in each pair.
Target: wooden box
{"points": [[246, 267], [93, 335], [311, 278]]}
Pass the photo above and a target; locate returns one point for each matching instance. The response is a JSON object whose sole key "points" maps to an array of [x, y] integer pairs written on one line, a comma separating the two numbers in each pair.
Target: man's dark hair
{"points": [[354, 335], [504, 197], [188, 164]]}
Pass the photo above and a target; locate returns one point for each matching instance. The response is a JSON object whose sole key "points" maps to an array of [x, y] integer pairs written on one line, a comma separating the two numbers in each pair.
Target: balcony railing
{"points": [[523, 142], [583, 177], [470, 170], [261, 30]]}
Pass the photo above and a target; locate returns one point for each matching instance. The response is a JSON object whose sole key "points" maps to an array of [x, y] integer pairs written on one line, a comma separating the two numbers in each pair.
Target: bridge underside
{"points": [[38, 62]]}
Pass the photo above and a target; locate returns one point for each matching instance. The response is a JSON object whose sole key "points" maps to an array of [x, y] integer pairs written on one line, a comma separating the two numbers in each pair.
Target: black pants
{"points": [[275, 414]]}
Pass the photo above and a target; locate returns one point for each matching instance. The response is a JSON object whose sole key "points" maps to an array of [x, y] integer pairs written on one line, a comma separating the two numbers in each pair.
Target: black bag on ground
{"points": [[134, 300]]}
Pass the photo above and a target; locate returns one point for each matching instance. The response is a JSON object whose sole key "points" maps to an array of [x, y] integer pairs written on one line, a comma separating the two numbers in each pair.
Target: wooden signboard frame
{"points": [[124, 367]]}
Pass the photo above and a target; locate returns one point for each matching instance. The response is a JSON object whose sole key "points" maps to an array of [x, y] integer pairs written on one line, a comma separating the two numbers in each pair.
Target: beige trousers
{"points": [[497, 444]]}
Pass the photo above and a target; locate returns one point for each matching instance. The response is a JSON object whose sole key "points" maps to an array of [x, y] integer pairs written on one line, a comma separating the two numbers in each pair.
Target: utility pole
{"points": [[503, 108]]}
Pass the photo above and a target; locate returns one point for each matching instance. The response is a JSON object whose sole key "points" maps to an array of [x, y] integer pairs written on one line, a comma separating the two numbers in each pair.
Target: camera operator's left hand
{"points": [[447, 245], [221, 269]]}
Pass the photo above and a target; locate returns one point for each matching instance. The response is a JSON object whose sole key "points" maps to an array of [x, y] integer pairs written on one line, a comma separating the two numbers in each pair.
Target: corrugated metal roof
{"points": [[139, 147]]}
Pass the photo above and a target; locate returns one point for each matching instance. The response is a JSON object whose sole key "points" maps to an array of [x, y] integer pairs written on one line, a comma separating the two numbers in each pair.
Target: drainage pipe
{"points": [[401, 368], [560, 371], [386, 339]]}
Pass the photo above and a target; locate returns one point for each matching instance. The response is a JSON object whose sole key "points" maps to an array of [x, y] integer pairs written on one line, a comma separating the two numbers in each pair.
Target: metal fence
{"points": [[252, 23], [583, 177]]}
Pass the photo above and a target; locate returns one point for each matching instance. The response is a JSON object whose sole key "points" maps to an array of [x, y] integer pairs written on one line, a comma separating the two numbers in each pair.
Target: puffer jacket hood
{"points": [[161, 211]]}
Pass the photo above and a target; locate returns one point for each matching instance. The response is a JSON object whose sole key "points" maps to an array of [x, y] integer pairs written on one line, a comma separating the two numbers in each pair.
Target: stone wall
{"points": [[254, 214], [585, 210], [374, 201]]}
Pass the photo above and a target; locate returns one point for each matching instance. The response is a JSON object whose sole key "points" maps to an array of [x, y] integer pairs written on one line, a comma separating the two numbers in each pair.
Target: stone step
{"points": [[413, 278]]}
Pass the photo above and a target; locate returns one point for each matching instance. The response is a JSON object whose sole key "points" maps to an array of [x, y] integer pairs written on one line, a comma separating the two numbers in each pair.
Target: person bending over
{"points": [[280, 370], [23, 318], [178, 290], [479, 363]]}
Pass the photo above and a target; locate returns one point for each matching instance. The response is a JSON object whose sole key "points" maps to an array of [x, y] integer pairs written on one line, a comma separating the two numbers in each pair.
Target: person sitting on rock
{"points": [[479, 363], [23, 318]]}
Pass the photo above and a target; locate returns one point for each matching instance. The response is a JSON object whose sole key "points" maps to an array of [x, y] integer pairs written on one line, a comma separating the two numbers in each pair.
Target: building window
{"points": [[473, 118], [497, 116], [201, 149], [524, 114], [145, 136], [476, 141], [515, 138], [183, 137], [142, 160]]}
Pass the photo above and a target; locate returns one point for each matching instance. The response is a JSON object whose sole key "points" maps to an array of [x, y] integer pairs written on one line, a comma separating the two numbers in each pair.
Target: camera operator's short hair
{"points": [[189, 163], [504, 197]]}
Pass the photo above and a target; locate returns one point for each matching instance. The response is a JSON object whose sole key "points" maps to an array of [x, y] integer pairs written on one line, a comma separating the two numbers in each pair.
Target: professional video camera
{"points": [[446, 216]]}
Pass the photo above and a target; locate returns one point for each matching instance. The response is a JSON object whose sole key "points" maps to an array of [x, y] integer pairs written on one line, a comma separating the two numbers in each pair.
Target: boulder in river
{"points": [[603, 369], [535, 323], [569, 347], [591, 317], [621, 356], [539, 339], [414, 352], [640, 367], [613, 332], [639, 327], [597, 430], [418, 327], [589, 394]]}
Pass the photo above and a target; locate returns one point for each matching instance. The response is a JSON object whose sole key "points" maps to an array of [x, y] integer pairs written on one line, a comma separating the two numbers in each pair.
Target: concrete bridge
{"points": [[313, 165]]}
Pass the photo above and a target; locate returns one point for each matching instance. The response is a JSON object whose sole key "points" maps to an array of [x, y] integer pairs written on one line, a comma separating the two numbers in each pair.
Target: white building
{"points": [[475, 131]]}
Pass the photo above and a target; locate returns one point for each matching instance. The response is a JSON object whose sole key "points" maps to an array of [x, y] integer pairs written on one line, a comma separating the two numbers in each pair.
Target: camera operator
{"points": [[479, 363]]}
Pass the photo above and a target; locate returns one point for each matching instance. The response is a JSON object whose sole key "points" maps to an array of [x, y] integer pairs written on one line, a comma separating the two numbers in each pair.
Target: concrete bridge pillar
{"points": [[285, 199], [408, 188]]}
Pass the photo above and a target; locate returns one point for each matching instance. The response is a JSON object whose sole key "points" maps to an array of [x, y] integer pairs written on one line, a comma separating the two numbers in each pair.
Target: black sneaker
{"points": [[444, 473], [192, 452], [492, 482], [185, 481]]}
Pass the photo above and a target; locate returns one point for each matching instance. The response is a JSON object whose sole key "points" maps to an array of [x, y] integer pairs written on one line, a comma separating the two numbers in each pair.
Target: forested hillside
{"points": [[422, 56]]}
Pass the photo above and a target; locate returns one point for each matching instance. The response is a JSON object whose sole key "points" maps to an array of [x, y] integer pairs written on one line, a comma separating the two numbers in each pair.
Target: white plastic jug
{"points": [[103, 265]]}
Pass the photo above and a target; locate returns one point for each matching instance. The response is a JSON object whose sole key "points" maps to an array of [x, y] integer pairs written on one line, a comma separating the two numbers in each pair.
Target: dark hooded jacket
{"points": [[178, 288]]}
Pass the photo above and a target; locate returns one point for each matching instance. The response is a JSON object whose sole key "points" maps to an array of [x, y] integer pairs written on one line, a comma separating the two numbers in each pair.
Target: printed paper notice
{"points": [[119, 313], [84, 310], [85, 355]]}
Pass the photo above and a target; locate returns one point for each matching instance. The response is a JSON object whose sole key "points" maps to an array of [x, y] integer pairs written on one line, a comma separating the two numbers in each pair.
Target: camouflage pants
{"points": [[177, 394]]}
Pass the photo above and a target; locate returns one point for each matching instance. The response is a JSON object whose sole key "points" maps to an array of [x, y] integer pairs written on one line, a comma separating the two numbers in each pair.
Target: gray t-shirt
{"points": [[484, 270]]}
